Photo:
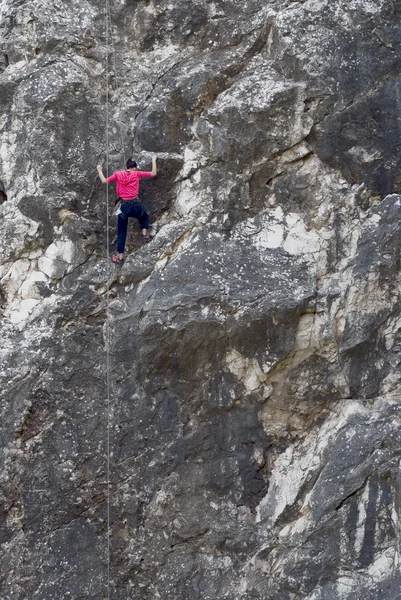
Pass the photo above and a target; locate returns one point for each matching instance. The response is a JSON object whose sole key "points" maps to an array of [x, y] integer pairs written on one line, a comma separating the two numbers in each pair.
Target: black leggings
{"points": [[129, 208]]}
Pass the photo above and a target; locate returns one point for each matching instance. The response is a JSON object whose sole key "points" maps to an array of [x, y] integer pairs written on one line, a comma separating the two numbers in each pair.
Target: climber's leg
{"points": [[140, 213], [122, 225], [143, 219]]}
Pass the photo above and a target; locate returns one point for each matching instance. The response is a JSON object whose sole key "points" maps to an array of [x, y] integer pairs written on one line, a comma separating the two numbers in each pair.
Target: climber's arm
{"points": [[100, 173], [154, 167]]}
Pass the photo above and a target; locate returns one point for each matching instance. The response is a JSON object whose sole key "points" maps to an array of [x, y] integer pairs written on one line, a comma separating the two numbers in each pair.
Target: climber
{"points": [[127, 184]]}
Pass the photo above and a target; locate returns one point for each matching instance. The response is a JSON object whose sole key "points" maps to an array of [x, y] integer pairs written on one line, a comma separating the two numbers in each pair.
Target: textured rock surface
{"points": [[255, 344]]}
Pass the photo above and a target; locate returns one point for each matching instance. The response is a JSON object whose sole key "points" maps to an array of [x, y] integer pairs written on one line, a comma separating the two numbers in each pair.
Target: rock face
{"points": [[237, 381]]}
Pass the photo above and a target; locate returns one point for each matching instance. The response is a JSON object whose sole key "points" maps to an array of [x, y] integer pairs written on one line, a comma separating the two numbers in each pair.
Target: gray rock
{"points": [[224, 407]]}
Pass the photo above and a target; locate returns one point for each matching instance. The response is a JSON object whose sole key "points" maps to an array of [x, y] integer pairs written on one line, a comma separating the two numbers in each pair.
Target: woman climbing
{"points": [[127, 186]]}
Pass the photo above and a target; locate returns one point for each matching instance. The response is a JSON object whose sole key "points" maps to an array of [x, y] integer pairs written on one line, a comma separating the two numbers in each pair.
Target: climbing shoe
{"points": [[117, 260], [146, 239]]}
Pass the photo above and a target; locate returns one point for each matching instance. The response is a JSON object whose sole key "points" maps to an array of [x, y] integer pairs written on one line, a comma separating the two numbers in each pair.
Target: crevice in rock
{"points": [[354, 493], [382, 40], [225, 79], [175, 247], [158, 79], [190, 538], [34, 422], [3, 195], [3, 301], [91, 509]]}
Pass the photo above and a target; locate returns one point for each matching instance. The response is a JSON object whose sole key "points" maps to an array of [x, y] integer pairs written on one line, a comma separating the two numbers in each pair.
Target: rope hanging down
{"points": [[111, 46], [107, 323]]}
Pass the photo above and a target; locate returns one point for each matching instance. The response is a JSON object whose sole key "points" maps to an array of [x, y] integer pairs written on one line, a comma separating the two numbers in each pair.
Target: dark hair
{"points": [[131, 164]]}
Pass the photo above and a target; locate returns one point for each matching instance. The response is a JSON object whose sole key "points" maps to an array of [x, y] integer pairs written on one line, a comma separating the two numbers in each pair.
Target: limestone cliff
{"points": [[252, 408]]}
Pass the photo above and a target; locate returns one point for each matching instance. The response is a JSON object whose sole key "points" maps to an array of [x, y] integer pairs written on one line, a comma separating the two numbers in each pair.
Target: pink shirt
{"points": [[127, 183]]}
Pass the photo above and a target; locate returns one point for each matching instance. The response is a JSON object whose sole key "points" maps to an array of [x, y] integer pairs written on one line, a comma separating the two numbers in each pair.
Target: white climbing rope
{"points": [[107, 323], [116, 75]]}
